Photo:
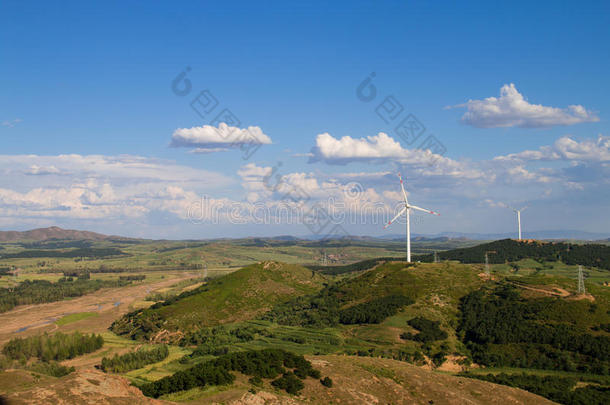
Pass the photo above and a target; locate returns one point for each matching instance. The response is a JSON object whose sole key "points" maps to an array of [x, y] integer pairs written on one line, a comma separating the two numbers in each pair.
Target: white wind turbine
{"points": [[407, 208], [518, 212]]}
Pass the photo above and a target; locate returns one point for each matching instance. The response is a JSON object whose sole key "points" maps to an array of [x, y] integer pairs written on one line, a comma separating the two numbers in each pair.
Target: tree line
{"points": [[79, 252], [348, 268], [267, 363], [41, 291], [559, 389], [510, 250], [56, 347], [134, 360]]}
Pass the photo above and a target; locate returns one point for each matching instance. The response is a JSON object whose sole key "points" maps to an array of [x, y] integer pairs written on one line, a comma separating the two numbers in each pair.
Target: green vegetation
{"points": [[429, 331], [134, 360], [509, 250], [134, 277], [51, 368], [52, 347], [374, 311], [559, 389], [70, 318], [262, 364], [350, 268], [503, 329], [41, 291], [327, 382], [370, 293], [79, 252], [289, 382], [241, 295]]}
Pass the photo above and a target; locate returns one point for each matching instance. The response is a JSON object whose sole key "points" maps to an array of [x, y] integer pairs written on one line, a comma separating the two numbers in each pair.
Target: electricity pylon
{"points": [[487, 268], [581, 281]]}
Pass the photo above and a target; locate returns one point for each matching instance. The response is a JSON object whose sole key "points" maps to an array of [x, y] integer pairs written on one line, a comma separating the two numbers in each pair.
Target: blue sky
{"points": [[86, 94]]}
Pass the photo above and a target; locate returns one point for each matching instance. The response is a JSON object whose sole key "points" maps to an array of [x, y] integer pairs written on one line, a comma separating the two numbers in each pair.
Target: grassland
{"points": [[64, 320]]}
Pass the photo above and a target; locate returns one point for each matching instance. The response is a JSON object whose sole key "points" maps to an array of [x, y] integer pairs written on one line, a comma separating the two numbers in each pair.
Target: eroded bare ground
{"points": [[109, 303], [82, 387], [365, 380], [356, 380]]}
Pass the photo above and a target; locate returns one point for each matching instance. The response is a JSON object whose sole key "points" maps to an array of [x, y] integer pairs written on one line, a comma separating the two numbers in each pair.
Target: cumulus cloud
{"points": [[511, 109], [207, 138], [98, 186], [566, 148], [381, 149]]}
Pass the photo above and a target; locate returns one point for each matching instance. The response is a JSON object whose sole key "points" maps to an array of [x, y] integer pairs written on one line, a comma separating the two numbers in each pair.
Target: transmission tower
{"points": [[487, 267], [581, 281]]}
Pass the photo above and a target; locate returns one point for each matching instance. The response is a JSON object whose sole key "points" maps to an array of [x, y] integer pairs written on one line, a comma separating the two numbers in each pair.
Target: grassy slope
{"points": [[241, 295]]}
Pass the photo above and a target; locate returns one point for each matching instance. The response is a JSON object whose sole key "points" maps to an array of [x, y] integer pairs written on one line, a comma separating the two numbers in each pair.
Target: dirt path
{"points": [[109, 303], [558, 292]]}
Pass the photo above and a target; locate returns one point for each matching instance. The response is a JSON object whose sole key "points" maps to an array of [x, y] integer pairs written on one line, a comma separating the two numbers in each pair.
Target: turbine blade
{"points": [[394, 219], [424, 210], [403, 189]]}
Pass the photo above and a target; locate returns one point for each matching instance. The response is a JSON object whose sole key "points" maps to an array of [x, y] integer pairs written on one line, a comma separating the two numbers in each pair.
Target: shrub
{"points": [[327, 382]]}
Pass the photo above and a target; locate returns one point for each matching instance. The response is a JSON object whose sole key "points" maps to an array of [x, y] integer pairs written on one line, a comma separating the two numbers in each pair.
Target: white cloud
{"points": [[382, 149], [36, 170], [11, 124], [566, 148], [511, 109], [207, 138], [98, 187]]}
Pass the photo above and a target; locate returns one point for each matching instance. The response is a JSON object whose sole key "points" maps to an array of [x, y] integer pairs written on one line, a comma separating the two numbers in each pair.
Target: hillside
{"points": [[54, 232], [414, 281], [241, 295], [510, 250]]}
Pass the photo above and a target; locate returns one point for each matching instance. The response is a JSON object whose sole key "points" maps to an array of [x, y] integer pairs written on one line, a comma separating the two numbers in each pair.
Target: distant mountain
{"points": [[552, 234], [53, 232]]}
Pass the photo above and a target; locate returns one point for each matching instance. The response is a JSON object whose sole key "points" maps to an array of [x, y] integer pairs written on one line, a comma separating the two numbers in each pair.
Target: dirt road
{"points": [[109, 303]]}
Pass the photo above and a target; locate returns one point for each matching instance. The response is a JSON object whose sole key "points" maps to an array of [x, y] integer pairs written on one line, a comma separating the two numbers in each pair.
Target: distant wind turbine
{"points": [[519, 218], [407, 208]]}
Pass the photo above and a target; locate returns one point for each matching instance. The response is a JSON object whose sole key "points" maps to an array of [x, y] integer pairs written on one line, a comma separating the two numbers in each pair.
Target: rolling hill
{"points": [[54, 232], [242, 295]]}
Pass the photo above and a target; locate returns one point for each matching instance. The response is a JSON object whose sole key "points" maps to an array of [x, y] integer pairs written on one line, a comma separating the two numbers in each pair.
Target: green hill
{"points": [[241, 295], [510, 250], [373, 288]]}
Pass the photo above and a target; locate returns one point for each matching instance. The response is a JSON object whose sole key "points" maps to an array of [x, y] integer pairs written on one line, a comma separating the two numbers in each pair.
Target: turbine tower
{"points": [[407, 208], [519, 218]]}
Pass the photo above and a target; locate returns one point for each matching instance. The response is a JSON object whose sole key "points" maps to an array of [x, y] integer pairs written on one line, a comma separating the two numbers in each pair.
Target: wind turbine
{"points": [[519, 218], [407, 208]]}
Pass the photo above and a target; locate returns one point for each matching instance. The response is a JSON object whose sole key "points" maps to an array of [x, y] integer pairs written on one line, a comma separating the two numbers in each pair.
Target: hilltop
{"points": [[54, 232], [238, 296]]}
